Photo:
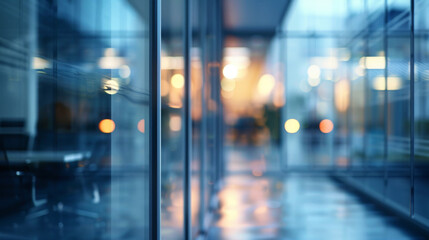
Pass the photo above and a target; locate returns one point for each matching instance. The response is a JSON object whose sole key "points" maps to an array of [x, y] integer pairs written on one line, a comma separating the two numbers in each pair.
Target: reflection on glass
{"points": [[69, 110]]}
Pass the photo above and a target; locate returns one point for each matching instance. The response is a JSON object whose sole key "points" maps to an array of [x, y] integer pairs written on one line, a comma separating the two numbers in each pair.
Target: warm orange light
{"points": [[175, 123], [326, 126], [177, 80], [266, 84], [230, 71], [140, 126], [257, 172], [342, 95], [106, 125], [227, 85], [165, 88], [261, 210], [278, 98]]}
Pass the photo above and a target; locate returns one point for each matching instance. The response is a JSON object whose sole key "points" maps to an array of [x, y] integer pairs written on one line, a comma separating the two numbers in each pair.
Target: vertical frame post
{"points": [[203, 131], [188, 122], [155, 120], [412, 69], [385, 107]]}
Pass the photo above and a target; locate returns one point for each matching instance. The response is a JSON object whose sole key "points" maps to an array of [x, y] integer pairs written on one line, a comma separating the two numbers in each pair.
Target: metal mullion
{"points": [[412, 67], [283, 59], [203, 134], [155, 120], [188, 122], [220, 129], [366, 94], [385, 107]]}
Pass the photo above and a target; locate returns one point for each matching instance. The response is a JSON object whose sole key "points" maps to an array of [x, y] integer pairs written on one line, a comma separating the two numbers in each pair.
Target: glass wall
{"points": [[421, 112], [360, 65], [172, 119], [74, 119], [75, 112]]}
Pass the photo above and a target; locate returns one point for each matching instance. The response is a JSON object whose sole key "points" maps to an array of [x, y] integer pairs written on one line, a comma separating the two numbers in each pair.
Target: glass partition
{"points": [[421, 113], [74, 119], [379, 139]]}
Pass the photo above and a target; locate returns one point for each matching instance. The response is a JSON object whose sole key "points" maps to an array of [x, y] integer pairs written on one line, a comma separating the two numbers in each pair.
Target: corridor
{"points": [[299, 206], [214, 119]]}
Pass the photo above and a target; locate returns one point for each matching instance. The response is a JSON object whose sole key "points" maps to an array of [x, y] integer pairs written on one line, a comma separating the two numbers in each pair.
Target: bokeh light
{"points": [[110, 86], [313, 71], [314, 82], [227, 84], [326, 126], [106, 125], [266, 84], [140, 126], [177, 80], [124, 71], [373, 62], [230, 71], [292, 125], [175, 123]]}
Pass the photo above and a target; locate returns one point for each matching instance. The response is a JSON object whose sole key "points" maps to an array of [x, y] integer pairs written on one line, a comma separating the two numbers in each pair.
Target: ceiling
{"points": [[253, 17]]}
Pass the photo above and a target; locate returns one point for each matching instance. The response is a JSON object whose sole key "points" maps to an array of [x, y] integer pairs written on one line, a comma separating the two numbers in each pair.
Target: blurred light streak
{"points": [[393, 83], [238, 61], [278, 98], [165, 87], [110, 60], [171, 63], [40, 63], [236, 51], [376, 62], [342, 95], [175, 123], [325, 62]]}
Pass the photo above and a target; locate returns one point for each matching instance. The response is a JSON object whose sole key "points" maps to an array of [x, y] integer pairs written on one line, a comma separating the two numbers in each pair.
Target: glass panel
{"points": [[374, 101], [172, 119], [398, 115], [74, 118], [421, 116], [198, 120]]}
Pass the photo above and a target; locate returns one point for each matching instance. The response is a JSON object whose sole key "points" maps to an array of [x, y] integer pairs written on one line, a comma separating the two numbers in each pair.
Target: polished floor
{"points": [[300, 208], [274, 205]]}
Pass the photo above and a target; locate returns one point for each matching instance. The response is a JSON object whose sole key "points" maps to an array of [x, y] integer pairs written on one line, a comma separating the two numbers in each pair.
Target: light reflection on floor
{"points": [[270, 204], [298, 207]]}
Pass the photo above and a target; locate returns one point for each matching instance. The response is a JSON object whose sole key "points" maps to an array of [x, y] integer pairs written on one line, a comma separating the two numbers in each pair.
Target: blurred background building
{"points": [[227, 119]]}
